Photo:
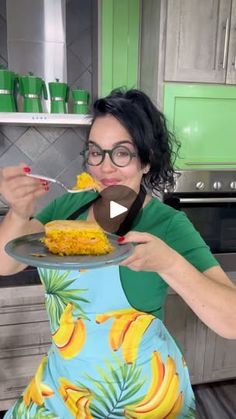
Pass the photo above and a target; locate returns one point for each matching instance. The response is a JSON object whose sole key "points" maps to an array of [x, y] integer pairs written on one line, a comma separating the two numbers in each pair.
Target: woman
{"points": [[111, 355]]}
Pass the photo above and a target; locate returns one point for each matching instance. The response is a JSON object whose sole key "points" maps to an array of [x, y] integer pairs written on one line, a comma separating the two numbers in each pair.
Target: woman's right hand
{"points": [[20, 191]]}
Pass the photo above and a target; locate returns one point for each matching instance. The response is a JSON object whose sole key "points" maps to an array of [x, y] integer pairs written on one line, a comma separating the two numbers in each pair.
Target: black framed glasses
{"points": [[120, 155]]}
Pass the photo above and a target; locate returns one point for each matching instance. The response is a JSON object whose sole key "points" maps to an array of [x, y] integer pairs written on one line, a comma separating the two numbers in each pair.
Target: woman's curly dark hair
{"points": [[147, 126]]}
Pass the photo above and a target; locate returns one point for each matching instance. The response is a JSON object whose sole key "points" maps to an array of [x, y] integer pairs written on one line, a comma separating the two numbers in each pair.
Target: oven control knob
{"points": [[217, 185], [233, 185], [200, 185]]}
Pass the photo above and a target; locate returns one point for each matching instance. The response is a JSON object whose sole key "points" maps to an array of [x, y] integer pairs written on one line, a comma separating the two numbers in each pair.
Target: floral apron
{"points": [[107, 360]]}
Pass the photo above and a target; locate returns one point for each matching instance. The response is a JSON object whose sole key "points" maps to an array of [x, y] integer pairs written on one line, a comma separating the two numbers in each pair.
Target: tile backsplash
{"points": [[53, 151]]}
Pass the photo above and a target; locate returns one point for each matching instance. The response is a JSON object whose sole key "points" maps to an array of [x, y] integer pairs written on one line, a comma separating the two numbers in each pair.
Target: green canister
{"points": [[32, 88], [59, 94], [80, 101], [8, 88]]}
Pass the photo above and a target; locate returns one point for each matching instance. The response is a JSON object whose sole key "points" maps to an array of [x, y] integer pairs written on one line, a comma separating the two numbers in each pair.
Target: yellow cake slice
{"points": [[85, 180], [76, 237]]}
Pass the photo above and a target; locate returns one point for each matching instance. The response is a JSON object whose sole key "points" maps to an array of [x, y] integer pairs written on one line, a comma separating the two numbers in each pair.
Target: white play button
{"points": [[116, 209], [113, 207]]}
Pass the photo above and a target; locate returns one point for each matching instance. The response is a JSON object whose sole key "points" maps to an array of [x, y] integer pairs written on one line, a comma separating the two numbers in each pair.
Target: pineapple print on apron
{"points": [[107, 360]]}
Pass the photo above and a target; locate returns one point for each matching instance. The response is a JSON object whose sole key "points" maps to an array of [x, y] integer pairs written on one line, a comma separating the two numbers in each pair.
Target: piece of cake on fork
{"points": [[85, 180]]}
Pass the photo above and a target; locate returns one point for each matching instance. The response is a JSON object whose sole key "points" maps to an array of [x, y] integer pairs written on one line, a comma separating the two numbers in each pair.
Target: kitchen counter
{"points": [[30, 275], [27, 277]]}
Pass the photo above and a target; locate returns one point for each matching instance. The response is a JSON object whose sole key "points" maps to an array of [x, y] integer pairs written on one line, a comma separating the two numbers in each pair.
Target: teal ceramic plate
{"points": [[31, 251]]}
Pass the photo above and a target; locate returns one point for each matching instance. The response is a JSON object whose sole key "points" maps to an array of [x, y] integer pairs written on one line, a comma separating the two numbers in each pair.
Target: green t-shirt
{"points": [[145, 291]]}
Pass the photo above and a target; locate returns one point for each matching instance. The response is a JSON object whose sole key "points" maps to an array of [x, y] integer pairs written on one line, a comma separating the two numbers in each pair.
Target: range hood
{"points": [[37, 119], [36, 42], [36, 38]]}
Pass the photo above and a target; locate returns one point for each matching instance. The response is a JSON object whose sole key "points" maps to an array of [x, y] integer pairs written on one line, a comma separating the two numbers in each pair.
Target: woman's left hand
{"points": [[195, 288], [150, 254]]}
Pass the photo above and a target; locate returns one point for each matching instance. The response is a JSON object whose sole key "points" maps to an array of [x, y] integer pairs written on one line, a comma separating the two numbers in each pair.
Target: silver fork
{"points": [[58, 182]]}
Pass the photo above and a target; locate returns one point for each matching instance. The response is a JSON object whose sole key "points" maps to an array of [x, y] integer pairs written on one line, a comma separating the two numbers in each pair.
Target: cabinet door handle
{"points": [[226, 43]]}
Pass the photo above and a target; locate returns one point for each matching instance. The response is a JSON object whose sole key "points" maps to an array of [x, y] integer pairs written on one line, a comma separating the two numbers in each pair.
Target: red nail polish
{"points": [[46, 188], [121, 239], [27, 169]]}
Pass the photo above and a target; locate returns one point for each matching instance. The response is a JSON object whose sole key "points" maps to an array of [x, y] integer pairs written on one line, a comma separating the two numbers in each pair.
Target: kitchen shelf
{"points": [[44, 119]]}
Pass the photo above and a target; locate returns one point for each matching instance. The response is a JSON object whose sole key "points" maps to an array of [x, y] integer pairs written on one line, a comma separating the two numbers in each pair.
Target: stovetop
{"points": [[206, 181]]}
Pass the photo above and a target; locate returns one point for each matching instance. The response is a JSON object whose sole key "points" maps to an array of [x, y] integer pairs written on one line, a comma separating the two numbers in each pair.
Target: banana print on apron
{"points": [[107, 360]]}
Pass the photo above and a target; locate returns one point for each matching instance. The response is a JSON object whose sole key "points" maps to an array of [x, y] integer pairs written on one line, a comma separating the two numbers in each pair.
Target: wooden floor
{"points": [[214, 401]]}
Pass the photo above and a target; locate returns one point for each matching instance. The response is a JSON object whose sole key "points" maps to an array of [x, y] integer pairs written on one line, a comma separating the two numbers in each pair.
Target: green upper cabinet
{"points": [[119, 44], [203, 118]]}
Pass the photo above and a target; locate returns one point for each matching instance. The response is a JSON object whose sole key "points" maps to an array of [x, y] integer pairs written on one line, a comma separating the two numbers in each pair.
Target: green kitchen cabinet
{"points": [[203, 118], [119, 49]]}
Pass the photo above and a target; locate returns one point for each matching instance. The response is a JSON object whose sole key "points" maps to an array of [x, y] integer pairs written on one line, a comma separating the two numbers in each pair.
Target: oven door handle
{"points": [[206, 200], [210, 163]]}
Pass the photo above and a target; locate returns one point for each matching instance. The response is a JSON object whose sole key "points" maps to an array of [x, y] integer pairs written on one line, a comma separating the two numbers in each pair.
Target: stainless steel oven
{"points": [[209, 200]]}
